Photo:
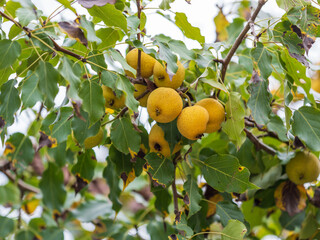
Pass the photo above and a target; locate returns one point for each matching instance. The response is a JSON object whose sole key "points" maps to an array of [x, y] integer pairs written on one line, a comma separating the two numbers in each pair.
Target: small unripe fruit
{"points": [[192, 122], [162, 79], [303, 168], [216, 113], [147, 63], [113, 101], [164, 105]]}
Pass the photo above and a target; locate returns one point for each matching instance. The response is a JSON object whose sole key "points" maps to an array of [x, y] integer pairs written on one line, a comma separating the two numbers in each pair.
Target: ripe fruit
{"points": [[93, 141], [158, 143], [216, 113], [192, 122], [164, 105], [303, 168], [147, 63], [113, 101], [139, 89], [162, 79]]}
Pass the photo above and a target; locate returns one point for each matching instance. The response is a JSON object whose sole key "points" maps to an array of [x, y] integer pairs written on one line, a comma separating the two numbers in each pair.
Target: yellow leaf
{"points": [[221, 23]]}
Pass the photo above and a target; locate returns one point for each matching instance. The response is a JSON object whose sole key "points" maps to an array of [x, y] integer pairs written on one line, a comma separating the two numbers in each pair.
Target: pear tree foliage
{"points": [[74, 129]]}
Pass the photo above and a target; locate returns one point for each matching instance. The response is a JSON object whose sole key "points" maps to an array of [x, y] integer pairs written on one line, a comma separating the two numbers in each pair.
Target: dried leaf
{"points": [[99, 3], [46, 140], [290, 197], [37, 164], [73, 30], [221, 24]]}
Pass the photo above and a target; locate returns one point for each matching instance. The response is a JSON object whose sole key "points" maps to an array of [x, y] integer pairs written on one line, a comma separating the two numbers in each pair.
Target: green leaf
{"points": [[224, 173], [259, 101], [183, 225], [9, 52], [163, 200], [48, 80], [9, 101], [99, 61], [287, 4], [62, 127], [180, 48], [52, 233], [71, 72], [19, 151], [67, 4], [171, 133], [188, 30], [309, 227], [121, 161], [93, 100], [166, 54], [52, 187], [113, 182], [157, 231], [89, 29], [30, 93], [7, 226], [161, 169], [109, 35], [234, 29], [306, 126], [234, 124], [91, 209], [81, 128], [235, 230], [124, 137], [44, 43], [110, 16], [276, 125], [24, 235], [227, 211], [192, 189], [85, 165], [291, 222], [165, 4], [9, 194], [4, 75], [119, 58], [263, 58], [253, 214], [26, 15]]}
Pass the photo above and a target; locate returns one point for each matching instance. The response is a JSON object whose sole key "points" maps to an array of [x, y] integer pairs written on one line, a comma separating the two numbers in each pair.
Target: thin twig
{"points": [[259, 145], [239, 40]]}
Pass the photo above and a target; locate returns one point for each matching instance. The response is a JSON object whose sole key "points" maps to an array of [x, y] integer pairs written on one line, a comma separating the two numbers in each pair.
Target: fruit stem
{"points": [[187, 97]]}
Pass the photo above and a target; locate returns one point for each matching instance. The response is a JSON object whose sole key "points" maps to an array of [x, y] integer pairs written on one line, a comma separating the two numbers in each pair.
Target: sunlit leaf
{"points": [[124, 137], [9, 52], [224, 173], [188, 30], [161, 169], [306, 126], [234, 230]]}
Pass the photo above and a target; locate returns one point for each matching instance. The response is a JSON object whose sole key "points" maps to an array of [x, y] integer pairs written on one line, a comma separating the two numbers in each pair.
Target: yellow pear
{"points": [[113, 101], [162, 79], [164, 105], [139, 89], [216, 113], [93, 141], [158, 143], [192, 122], [147, 63], [303, 168]]}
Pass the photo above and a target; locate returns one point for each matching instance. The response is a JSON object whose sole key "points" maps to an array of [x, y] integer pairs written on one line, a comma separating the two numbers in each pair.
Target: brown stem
{"points": [[56, 46], [238, 41], [259, 145], [21, 184]]}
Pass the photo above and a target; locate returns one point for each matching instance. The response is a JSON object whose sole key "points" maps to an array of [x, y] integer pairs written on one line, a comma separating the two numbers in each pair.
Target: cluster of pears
{"points": [[164, 104]]}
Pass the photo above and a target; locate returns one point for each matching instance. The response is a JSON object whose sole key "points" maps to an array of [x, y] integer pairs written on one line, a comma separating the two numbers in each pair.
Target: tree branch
{"points": [[239, 40], [259, 145], [21, 184], [174, 190]]}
